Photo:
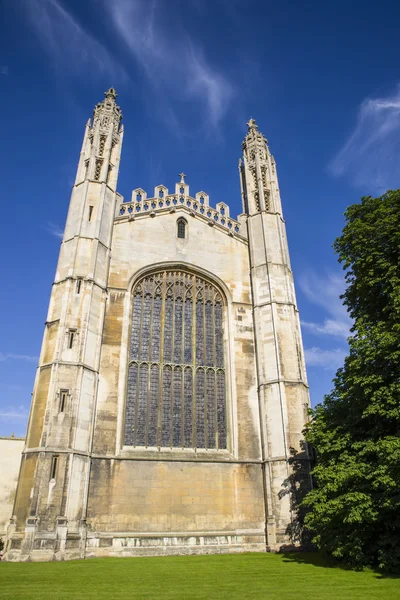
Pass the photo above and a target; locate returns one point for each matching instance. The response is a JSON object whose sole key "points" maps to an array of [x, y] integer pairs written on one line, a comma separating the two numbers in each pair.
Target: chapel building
{"points": [[171, 389]]}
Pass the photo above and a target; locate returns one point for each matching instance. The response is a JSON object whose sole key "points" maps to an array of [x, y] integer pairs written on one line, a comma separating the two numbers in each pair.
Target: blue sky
{"points": [[321, 79]]}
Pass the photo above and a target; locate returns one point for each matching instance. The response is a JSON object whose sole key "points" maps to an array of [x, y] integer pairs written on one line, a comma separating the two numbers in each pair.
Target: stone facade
{"points": [[166, 431]]}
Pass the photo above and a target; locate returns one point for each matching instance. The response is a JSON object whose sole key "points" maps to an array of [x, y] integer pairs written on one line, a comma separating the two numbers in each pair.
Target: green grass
{"points": [[217, 577]]}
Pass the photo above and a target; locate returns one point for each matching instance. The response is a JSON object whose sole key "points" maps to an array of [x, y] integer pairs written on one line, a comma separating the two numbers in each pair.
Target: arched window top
{"points": [[181, 225], [176, 395]]}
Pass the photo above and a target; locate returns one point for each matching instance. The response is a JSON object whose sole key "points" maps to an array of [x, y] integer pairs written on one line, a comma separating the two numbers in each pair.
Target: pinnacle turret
{"points": [[107, 113], [258, 176], [101, 146]]}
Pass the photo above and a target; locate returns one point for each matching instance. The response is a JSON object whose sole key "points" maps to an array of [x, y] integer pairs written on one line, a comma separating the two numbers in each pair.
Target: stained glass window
{"points": [[176, 396]]}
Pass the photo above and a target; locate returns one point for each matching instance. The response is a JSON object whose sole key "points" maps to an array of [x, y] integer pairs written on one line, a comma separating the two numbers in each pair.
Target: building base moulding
{"points": [[115, 544]]}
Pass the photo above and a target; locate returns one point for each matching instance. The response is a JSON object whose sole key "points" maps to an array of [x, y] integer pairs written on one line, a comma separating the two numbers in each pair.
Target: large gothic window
{"points": [[176, 382]]}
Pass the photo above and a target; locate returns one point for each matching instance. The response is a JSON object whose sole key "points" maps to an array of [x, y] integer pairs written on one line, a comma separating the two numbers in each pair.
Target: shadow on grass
{"points": [[320, 560]]}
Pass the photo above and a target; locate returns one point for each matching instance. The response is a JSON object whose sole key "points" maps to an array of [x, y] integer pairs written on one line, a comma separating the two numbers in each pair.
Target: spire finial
{"points": [[182, 176], [251, 124], [111, 93]]}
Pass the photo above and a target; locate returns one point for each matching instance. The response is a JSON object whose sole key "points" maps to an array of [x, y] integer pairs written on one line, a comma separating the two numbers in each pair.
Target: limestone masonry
{"points": [[171, 388]]}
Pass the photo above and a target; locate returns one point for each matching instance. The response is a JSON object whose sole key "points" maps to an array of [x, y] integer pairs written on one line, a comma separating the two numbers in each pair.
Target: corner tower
{"points": [[49, 510], [282, 383]]}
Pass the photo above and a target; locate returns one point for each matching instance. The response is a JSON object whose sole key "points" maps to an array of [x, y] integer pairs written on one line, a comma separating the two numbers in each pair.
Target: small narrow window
{"points": [[138, 197], [90, 213], [109, 173], [54, 463], [78, 286], [71, 336], [63, 400], [181, 228], [182, 190], [160, 194]]}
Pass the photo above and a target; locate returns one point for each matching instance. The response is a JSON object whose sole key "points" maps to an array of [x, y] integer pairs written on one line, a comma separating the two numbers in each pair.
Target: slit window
{"points": [[90, 213], [54, 464], [63, 400], [78, 286], [71, 337], [181, 228]]}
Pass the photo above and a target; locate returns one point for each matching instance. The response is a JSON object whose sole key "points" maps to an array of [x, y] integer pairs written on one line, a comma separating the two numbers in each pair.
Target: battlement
{"points": [[197, 206]]}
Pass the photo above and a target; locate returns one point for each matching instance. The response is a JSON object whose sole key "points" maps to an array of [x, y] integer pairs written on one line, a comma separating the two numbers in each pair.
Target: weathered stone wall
{"points": [[10, 453]]}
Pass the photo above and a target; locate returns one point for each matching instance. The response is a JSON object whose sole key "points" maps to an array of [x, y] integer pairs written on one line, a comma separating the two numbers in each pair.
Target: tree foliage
{"points": [[354, 509]]}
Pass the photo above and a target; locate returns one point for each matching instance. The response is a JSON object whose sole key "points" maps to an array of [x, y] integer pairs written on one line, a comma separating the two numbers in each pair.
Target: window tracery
{"points": [[176, 394]]}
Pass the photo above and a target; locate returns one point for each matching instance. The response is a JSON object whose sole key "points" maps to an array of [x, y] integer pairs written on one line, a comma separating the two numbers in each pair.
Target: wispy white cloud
{"points": [[333, 327], [174, 64], [55, 230], [327, 359], [10, 356], [371, 155], [71, 47], [11, 414], [325, 291]]}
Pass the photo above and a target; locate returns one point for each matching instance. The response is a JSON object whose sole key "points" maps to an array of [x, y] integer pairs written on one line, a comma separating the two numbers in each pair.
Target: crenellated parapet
{"points": [[198, 206]]}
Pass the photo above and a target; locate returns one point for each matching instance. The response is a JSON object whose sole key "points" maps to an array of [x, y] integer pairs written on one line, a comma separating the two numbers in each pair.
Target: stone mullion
{"points": [[149, 366], [205, 291], [139, 365], [213, 328], [204, 328], [183, 360], [171, 411], [216, 408], [136, 403], [215, 370], [194, 360], [161, 359], [224, 317]]}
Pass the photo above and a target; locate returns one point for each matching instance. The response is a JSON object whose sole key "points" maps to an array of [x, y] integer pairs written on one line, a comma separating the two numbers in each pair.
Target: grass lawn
{"points": [[227, 577]]}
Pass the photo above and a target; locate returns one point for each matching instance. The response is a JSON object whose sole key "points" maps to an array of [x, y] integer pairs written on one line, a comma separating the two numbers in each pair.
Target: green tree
{"points": [[354, 509]]}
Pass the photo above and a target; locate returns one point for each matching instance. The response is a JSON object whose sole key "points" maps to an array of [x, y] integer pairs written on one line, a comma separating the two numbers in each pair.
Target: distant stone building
{"points": [[10, 462], [171, 385]]}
